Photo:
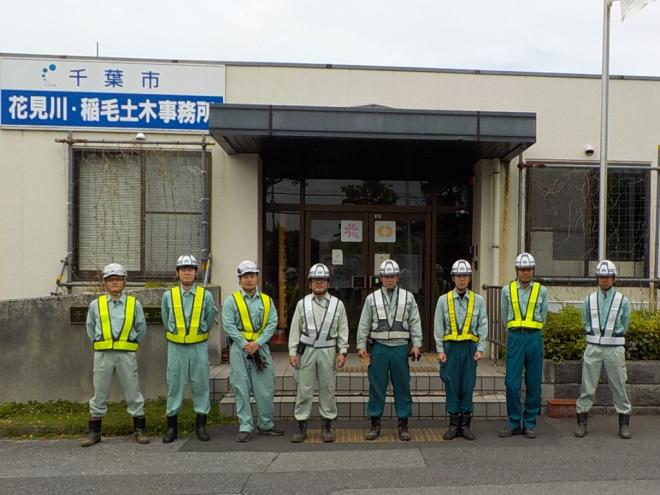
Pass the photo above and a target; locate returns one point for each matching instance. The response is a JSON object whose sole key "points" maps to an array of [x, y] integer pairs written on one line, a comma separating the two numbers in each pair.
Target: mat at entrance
{"points": [[387, 435]]}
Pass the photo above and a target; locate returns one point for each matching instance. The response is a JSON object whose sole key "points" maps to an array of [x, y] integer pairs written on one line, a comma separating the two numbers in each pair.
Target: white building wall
{"points": [[236, 217], [33, 167], [33, 201]]}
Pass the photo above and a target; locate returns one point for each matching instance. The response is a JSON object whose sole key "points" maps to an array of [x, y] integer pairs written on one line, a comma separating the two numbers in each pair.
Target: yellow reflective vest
{"points": [[122, 343], [187, 334], [247, 330], [453, 323], [528, 322]]}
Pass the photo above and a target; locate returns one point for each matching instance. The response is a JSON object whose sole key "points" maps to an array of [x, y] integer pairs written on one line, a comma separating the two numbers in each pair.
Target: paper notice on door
{"points": [[384, 231], [378, 259], [337, 257]]}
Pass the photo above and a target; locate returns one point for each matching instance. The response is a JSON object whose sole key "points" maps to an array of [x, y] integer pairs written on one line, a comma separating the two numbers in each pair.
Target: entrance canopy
{"points": [[276, 131]]}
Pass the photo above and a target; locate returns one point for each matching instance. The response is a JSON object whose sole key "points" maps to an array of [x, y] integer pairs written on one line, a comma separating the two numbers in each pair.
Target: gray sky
{"points": [[529, 35]]}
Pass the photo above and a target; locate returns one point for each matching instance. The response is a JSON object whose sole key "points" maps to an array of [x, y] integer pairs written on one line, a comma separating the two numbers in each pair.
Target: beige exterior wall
{"points": [[33, 201], [33, 167], [236, 217]]}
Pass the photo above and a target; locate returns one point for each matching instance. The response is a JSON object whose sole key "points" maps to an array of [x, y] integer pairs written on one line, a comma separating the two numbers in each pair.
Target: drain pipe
{"points": [[68, 260], [206, 238], [496, 224], [522, 210]]}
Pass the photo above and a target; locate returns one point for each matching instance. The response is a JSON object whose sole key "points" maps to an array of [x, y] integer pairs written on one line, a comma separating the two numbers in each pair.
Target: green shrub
{"points": [[563, 335]]}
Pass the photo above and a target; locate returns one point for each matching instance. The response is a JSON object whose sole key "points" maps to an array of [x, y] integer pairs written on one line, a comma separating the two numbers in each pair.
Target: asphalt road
{"points": [[555, 462]]}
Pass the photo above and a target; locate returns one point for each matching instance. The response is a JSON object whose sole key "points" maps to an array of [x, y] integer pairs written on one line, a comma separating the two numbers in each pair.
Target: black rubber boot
{"points": [[581, 430], [402, 426], [454, 427], [200, 428], [94, 435], [172, 429], [466, 421], [374, 430], [326, 431], [301, 434], [140, 430], [624, 426]]}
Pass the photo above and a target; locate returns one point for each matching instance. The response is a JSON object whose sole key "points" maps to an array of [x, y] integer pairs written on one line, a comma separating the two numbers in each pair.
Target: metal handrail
{"points": [[496, 332]]}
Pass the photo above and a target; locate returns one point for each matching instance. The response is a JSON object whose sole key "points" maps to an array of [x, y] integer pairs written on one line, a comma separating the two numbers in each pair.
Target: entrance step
{"points": [[352, 379], [353, 389], [350, 407]]}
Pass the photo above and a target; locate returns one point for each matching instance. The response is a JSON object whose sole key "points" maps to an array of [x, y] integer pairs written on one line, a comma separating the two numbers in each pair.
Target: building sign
{"points": [[108, 94]]}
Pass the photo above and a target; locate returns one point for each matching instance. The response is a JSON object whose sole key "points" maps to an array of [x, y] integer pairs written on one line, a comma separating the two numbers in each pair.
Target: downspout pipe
{"points": [[70, 206], [522, 207], [495, 246], [205, 254]]}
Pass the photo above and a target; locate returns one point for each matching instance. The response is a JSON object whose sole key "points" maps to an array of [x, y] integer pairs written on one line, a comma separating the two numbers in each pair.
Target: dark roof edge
{"points": [[340, 66]]}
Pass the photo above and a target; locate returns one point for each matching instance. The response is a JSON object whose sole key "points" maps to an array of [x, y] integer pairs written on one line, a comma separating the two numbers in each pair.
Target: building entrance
{"points": [[353, 244]]}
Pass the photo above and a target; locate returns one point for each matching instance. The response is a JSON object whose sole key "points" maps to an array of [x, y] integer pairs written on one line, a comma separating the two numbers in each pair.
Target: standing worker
{"points": [[319, 326], [249, 319], [115, 326], [461, 329], [188, 313], [389, 322], [524, 307], [606, 317]]}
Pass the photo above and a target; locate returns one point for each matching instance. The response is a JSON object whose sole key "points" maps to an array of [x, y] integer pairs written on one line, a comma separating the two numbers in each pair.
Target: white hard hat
{"points": [[113, 269], [606, 268], [525, 260], [389, 267], [461, 267], [319, 271], [187, 260], [247, 266]]}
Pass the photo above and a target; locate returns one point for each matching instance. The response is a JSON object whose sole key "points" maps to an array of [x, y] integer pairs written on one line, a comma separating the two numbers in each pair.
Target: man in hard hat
{"points": [[390, 323], [249, 318], [188, 313], [606, 317], [115, 326], [460, 330], [319, 327], [524, 306]]}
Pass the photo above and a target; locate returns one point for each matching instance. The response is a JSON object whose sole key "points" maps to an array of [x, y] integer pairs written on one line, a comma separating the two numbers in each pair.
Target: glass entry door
{"points": [[353, 244]]}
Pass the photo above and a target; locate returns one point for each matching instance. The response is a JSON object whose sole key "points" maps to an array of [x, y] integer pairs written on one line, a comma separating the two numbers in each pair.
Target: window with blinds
{"points": [[141, 209]]}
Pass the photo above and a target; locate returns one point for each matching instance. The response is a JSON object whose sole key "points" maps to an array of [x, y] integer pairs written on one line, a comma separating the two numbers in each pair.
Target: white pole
{"points": [[604, 103]]}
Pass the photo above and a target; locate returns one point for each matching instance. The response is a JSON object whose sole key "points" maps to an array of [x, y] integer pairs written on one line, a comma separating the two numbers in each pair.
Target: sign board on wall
{"points": [[108, 94]]}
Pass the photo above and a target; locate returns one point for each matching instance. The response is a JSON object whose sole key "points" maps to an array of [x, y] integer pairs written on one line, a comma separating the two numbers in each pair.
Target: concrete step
{"points": [[432, 406], [349, 383]]}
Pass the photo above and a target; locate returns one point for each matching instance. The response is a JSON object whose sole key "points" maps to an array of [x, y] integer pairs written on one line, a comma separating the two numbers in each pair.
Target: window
{"points": [[562, 230], [138, 208]]}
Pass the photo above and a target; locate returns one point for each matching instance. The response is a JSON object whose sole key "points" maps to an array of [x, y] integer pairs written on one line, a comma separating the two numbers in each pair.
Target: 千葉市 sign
{"points": [[108, 94]]}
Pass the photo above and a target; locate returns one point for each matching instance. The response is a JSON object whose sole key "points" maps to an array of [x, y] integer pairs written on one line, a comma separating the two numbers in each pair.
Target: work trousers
{"points": [[459, 374], [244, 379], [188, 362], [614, 360], [524, 352], [389, 363], [124, 364], [316, 366]]}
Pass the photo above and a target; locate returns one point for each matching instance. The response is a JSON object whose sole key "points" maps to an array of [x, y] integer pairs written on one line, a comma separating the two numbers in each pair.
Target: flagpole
{"points": [[604, 105]]}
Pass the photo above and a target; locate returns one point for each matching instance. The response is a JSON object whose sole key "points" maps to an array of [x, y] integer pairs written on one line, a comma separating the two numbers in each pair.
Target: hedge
{"points": [[563, 335]]}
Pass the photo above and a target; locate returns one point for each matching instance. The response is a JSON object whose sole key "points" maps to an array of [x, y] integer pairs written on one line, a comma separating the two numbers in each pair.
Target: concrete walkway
{"points": [[556, 462]]}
